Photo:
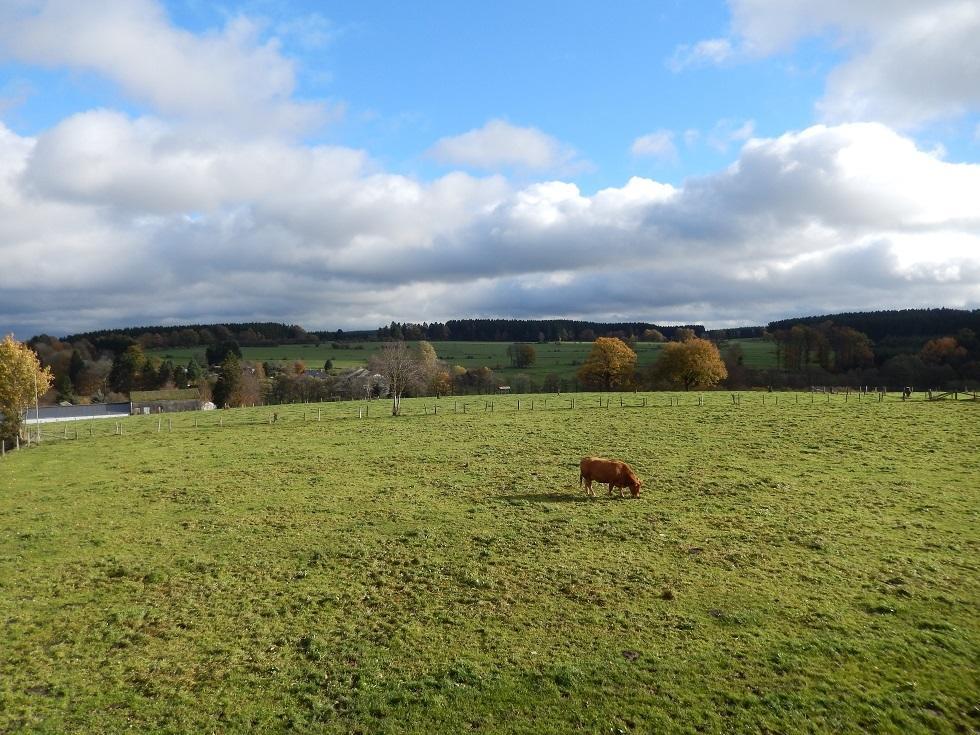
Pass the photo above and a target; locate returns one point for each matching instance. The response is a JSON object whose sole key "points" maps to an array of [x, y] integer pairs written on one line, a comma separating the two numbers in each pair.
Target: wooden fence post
{"points": [[170, 425], [159, 425]]}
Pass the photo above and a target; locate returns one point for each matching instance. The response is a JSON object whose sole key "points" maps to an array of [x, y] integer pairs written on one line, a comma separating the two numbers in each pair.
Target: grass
{"points": [[789, 567], [563, 359]]}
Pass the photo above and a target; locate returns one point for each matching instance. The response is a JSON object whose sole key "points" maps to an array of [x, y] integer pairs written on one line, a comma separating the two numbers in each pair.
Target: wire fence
{"points": [[302, 414]]}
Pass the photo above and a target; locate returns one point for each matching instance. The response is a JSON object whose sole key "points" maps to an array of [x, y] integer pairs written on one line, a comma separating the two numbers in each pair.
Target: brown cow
{"points": [[610, 472]]}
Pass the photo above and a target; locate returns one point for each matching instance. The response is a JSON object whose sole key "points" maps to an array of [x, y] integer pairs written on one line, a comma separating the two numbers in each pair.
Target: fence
{"points": [[298, 414]]}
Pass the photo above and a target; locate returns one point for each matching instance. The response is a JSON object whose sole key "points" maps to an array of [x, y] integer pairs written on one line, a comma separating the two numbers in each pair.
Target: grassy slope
{"points": [[443, 573], [563, 359]]}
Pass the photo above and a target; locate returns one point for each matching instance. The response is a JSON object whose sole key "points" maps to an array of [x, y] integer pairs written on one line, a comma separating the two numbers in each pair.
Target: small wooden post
{"points": [[3, 448], [435, 410], [360, 412], [170, 425], [464, 408], [195, 421], [66, 431], [763, 399], [644, 401], [455, 406], [90, 430], [221, 421], [318, 414], [518, 404], [159, 425]]}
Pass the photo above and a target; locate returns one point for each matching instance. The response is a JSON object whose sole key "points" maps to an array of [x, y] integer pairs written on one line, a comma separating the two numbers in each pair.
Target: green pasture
{"points": [[563, 359], [790, 567]]}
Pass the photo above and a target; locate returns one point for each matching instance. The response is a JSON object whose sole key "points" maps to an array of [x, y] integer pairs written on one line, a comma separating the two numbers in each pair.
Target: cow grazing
{"points": [[609, 472]]}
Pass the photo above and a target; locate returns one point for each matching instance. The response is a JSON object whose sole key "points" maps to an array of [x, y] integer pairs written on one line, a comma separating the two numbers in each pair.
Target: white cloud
{"points": [[499, 144], [907, 62], [230, 78], [106, 220], [658, 144], [709, 51]]}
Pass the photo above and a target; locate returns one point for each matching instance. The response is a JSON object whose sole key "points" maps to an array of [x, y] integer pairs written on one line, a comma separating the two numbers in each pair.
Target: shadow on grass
{"points": [[558, 497]]}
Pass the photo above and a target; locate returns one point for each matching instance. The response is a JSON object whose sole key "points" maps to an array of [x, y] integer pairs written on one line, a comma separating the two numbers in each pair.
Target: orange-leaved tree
{"points": [[694, 363], [21, 379], [609, 366]]}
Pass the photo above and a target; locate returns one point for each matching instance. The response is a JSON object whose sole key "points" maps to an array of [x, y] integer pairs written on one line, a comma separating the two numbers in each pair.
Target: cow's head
{"points": [[635, 484]]}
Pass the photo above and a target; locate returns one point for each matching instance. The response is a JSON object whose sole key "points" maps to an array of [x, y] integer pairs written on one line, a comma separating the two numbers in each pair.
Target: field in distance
{"points": [[789, 567], [563, 359]]}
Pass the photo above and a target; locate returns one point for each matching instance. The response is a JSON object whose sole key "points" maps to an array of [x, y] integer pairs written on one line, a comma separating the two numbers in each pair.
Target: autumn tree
{"points": [[943, 350], [609, 366], [653, 335], [683, 334], [521, 355], [694, 363], [401, 367], [22, 379]]}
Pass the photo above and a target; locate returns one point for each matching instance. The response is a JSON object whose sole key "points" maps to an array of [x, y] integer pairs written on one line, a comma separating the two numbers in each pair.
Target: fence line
{"points": [[291, 414]]}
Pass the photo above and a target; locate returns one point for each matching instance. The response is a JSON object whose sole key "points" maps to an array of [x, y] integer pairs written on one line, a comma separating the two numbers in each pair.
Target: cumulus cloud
{"points": [[906, 64], [231, 77], [107, 219], [658, 144], [499, 144]]}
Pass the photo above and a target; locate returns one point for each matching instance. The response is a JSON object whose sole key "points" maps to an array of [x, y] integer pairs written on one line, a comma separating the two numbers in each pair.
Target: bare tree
{"points": [[402, 367]]}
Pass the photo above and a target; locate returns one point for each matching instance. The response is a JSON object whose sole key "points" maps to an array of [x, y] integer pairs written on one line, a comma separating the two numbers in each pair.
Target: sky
{"points": [[343, 165]]}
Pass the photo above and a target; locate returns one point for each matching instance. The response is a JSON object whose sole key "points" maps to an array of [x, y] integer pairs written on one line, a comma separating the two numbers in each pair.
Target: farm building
{"points": [[165, 401], [49, 414]]}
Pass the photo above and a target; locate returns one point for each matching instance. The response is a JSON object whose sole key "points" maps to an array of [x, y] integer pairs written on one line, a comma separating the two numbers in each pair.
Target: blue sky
{"points": [[496, 159]]}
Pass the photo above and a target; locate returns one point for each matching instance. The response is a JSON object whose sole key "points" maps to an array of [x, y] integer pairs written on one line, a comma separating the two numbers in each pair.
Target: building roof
{"points": [[174, 394]]}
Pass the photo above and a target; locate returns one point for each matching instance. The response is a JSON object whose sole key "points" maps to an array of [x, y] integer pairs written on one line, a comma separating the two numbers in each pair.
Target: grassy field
{"points": [[790, 567], [563, 359]]}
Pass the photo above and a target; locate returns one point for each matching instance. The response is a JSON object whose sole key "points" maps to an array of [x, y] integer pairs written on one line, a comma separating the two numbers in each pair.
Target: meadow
{"points": [[562, 358], [790, 566]]}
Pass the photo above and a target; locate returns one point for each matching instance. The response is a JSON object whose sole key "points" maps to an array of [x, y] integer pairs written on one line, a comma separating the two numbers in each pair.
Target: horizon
{"points": [[723, 163], [354, 330]]}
